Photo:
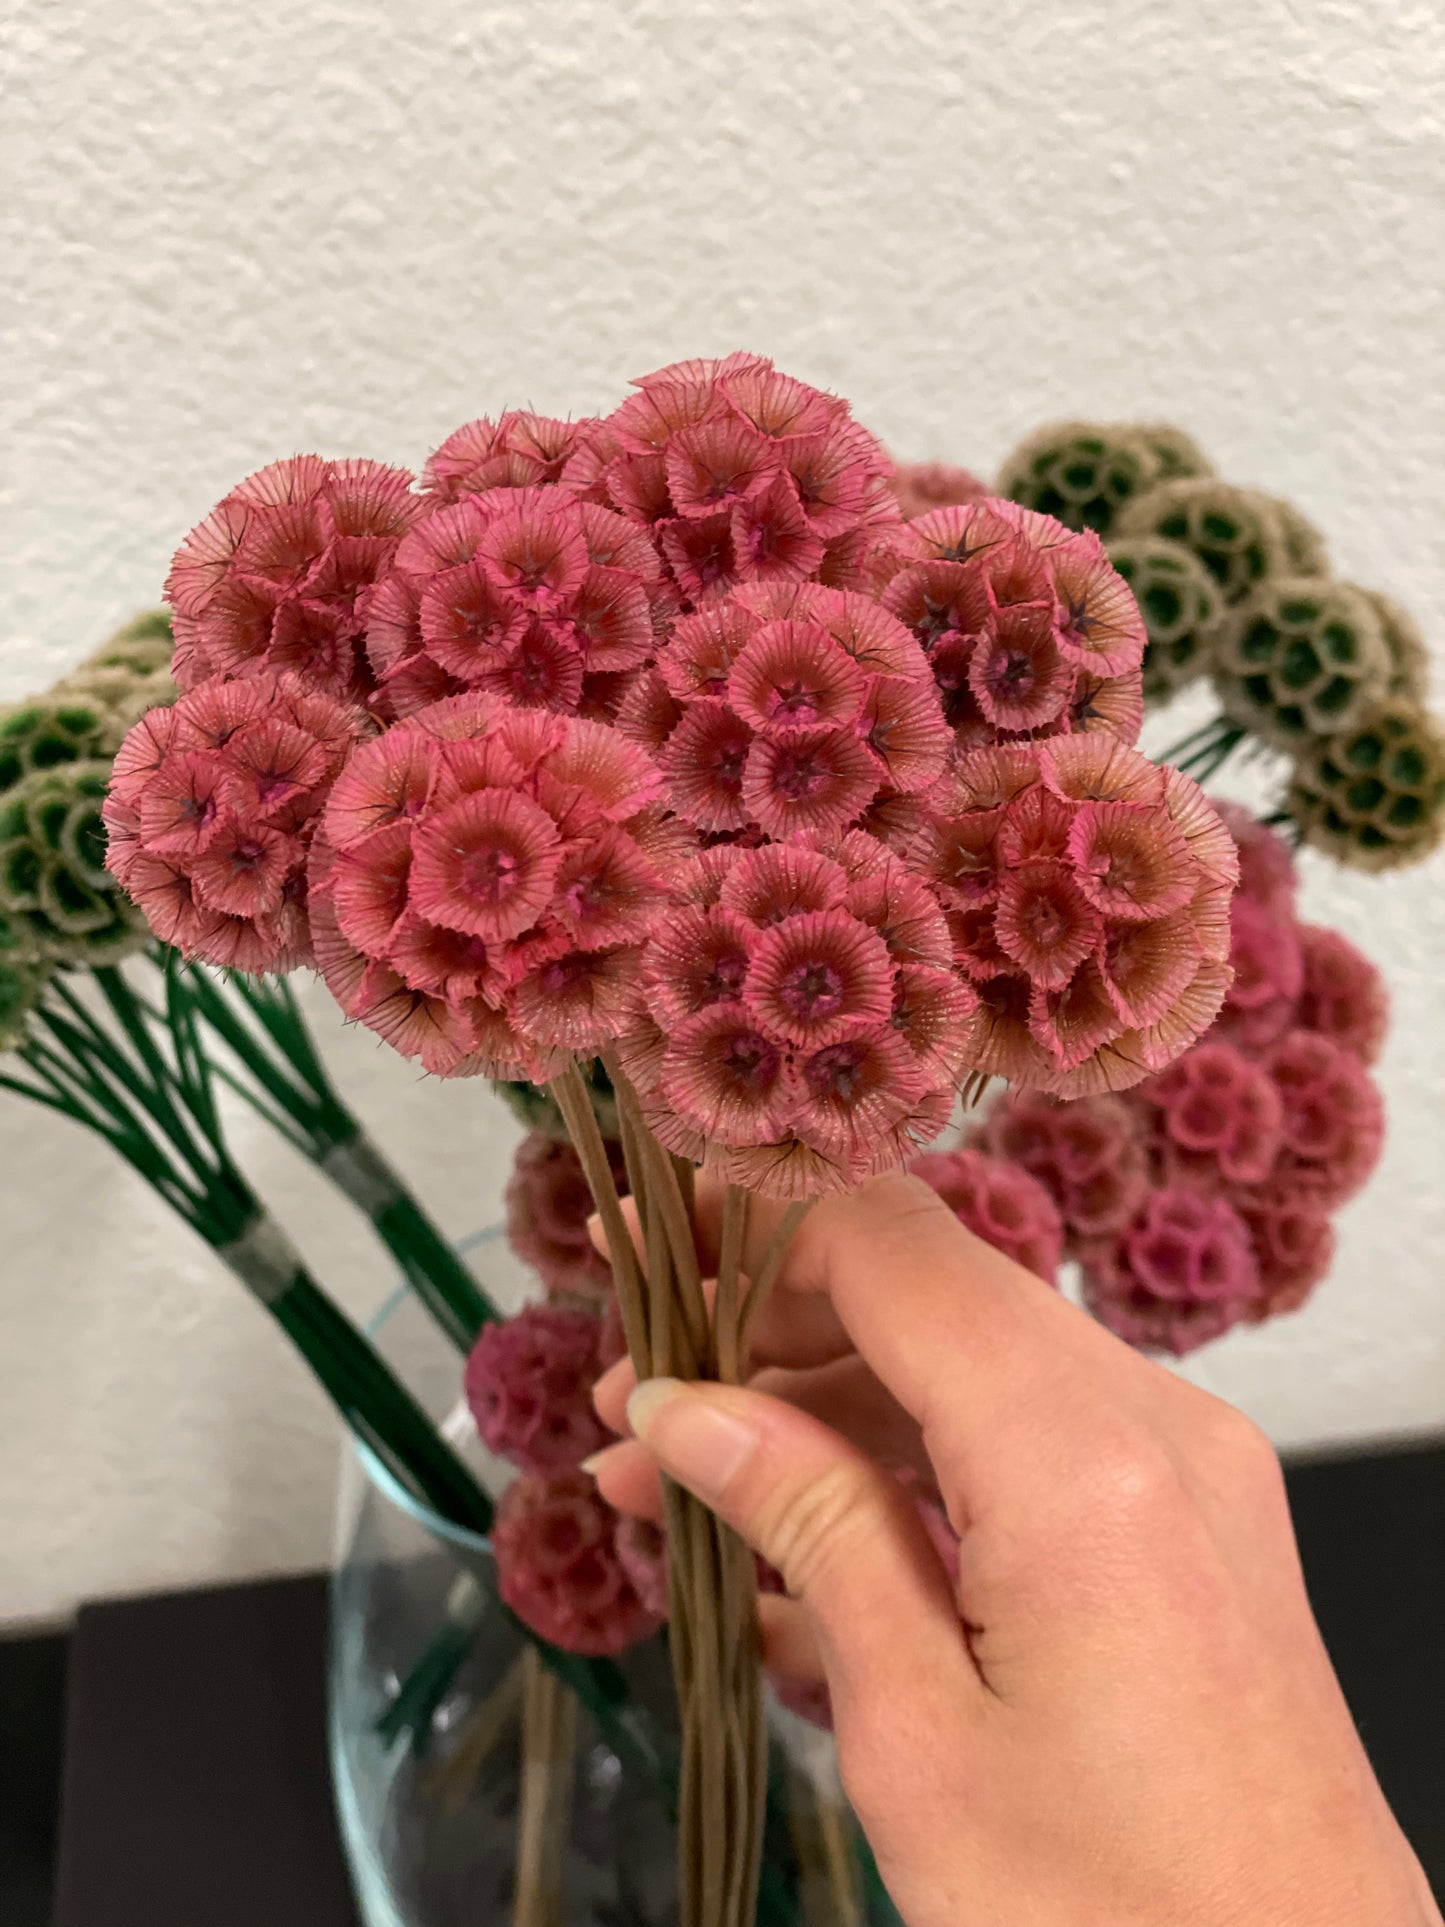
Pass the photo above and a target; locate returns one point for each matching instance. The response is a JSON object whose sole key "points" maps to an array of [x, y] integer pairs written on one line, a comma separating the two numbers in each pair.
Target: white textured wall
{"points": [[350, 225]]}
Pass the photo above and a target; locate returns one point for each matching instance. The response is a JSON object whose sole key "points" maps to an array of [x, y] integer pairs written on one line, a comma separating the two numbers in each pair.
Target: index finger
{"points": [[992, 1363]]}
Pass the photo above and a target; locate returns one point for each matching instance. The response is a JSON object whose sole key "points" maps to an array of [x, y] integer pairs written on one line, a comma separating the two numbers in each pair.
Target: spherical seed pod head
{"points": [[49, 731], [22, 985], [1236, 533], [143, 644], [1300, 659], [1373, 796], [923, 486], [1180, 603], [1177, 454], [1081, 473], [54, 887], [1305, 550], [1409, 654]]}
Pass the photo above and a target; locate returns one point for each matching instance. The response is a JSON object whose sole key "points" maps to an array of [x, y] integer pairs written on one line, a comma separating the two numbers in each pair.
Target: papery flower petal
{"points": [[1146, 966], [815, 780], [485, 865], [903, 724], [1098, 622], [1131, 862], [780, 880], [1018, 677], [771, 536], [713, 464], [724, 1075], [1043, 920], [578, 1001], [704, 761], [792, 675], [697, 958], [816, 978]]}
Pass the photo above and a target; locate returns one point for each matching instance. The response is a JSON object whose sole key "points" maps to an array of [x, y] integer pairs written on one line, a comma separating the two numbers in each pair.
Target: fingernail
{"points": [[590, 1464], [701, 1446]]}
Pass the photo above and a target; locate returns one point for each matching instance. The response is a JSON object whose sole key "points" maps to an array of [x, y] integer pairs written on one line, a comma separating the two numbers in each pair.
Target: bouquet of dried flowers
{"points": [[734, 801]]}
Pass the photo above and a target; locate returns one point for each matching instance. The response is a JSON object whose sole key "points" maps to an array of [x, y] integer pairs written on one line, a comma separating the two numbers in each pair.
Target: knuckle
{"points": [[1131, 1482], [805, 1529]]}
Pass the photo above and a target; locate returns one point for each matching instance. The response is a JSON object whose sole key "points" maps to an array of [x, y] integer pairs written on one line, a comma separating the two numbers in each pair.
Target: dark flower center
{"points": [[812, 990]]}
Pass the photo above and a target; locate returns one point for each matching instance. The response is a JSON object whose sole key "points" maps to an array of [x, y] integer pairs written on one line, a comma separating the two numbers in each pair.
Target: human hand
{"points": [[1124, 1716]]}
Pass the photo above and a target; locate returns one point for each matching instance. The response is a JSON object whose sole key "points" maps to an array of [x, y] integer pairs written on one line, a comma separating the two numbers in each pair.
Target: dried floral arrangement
{"points": [[734, 801]]}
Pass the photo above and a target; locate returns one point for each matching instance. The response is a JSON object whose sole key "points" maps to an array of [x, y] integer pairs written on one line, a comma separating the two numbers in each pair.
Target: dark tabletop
{"points": [[198, 1796]]}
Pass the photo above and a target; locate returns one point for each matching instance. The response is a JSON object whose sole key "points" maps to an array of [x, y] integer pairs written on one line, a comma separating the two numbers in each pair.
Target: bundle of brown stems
{"points": [[713, 1633]]}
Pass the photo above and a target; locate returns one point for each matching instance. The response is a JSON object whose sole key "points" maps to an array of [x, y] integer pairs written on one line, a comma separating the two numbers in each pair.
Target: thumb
{"points": [[844, 1535]]}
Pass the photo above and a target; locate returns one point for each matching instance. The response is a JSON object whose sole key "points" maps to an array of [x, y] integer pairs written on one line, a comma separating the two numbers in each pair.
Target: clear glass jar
{"points": [[472, 1787]]}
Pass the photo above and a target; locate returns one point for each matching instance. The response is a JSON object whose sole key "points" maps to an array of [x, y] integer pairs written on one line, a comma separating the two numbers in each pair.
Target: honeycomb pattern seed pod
{"points": [[1409, 653], [1180, 603], [144, 644], [1236, 533], [53, 879], [1305, 549], [1178, 455], [1300, 659], [1081, 473], [1373, 796], [50, 731], [21, 986]]}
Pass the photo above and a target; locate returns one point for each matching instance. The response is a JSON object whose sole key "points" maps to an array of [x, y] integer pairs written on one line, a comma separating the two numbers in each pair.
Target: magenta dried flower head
{"points": [[519, 450], [559, 1570], [524, 592], [1293, 1240], [1267, 874], [212, 808], [1268, 967], [788, 711], [1000, 1203], [278, 574], [1218, 1118], [1028, 629], [548, 1205], [923, 486], [804, 1025], [1343, 996], [642, 1549], [1333, 1119], [1087, 890], [741, 474], [1182, 1273], [529, 1384], [1088, 1155], [482, 885]]}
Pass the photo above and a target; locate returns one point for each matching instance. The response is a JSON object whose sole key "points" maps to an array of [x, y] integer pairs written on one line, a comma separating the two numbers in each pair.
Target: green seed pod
{"points": [[535, 1107], [145, 643], [1373, 797], [1409, 656], [53, 881], [48, 733], [1180, 604], [1237, 533], [1081, 473], [1300, 659], [21, 988], [1177, 454]]}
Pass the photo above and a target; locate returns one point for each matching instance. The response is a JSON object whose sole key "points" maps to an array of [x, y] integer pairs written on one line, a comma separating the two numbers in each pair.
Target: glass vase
{"points": [[473, 1787]]}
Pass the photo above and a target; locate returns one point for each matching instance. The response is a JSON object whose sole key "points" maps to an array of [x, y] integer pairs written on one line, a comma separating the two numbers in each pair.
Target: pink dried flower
{"points": [[1333, 1119], [1218, 1117], [1083, 885], [1000, 1203], [742, 474], [277, 575], [642, 1550], [1294, 1243], [1268, 966], [1028, 628], [212, 807], [1342, 996], [804, 1027], [923, 486], [482, 883], [521, 591], [1267, 873], [1088, 1155], [559, 1570], [529, 1384], [519, 450], [548, 1205], [1182, 1273]]}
